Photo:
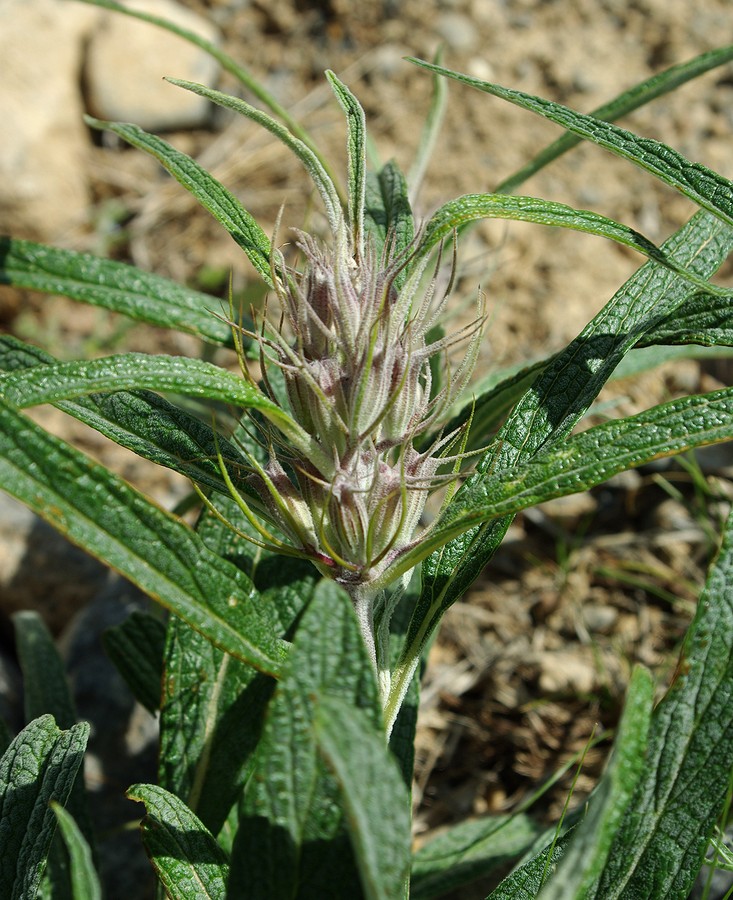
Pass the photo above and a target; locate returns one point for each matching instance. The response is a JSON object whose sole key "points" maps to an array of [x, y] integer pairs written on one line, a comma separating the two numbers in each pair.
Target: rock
{"points": [[599, 617], [128, 58], [457, 31], [43, 182], [566, 671]]}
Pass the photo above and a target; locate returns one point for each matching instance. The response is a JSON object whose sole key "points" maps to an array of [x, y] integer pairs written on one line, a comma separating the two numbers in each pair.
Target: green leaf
{"points": [[387, 213], [45, 688], [590, 844], [136, 648], [84, 881], [555, 403], [356, 147], [374, 796], [291, 821], [585, 460], [211, 718], [143, 422], [187, 859], [112, 285], [472, 207], [78, 378], [707, 188], [214, 705], [150, 547], [492, 399], [705, 319], [525, 882], [39, 766], [637, 96], [212, 195], [468, 851], [661, 842], [312, 162]]}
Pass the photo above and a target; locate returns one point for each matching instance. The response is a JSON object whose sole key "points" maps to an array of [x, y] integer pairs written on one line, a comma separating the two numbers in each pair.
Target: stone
{"points": [[457, 31], [566, 672], [43, 183], [127, 60]]}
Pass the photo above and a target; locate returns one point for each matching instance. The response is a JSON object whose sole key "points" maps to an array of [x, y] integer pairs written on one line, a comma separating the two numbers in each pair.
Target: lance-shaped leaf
{"points": [[214, 705], [211, 718], [136, 647], [470, 850], [472, 207], [84, 880], [356, 147], [526, 882], [640, 94], [212, 195], [112, 285], [555, 403], [291, 820], [661, 842], [45, 688], [39, 766], [150, 547], [707, 188], [78, 378], [320, 177], [374, 796], [703, 319], [185, 855], [179, 374], [583, 461], [143, 422], [387, 213], [590, 844]]}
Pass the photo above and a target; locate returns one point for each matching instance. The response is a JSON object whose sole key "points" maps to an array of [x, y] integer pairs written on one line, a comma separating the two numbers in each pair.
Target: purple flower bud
{"points": [[356, 362]]}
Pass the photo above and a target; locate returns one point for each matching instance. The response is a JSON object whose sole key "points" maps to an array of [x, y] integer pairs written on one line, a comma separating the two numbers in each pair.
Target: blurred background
{"points": [[538, 654]]}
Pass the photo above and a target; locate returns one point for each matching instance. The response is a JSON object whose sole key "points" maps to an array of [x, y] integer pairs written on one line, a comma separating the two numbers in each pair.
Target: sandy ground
{"points": [[538, 654]]}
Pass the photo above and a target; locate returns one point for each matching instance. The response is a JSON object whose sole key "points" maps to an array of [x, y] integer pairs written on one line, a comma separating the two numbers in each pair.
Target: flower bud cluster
{"points": [[355, 358]]}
